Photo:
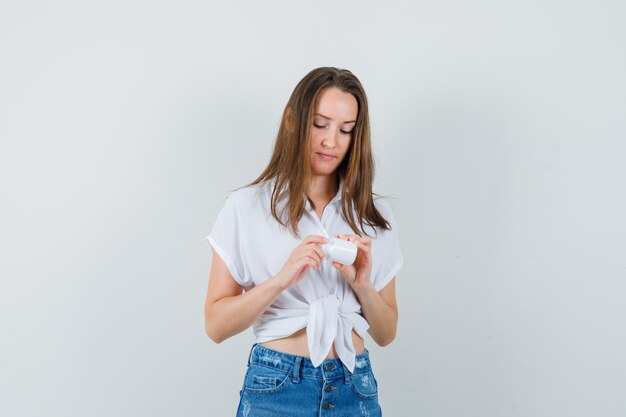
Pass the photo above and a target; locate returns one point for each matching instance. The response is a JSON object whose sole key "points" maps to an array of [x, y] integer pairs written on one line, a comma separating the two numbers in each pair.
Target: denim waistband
{"points": [[302, 366]]}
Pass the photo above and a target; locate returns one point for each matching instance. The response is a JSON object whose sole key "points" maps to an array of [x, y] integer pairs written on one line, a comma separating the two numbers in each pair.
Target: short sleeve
{"points": [[386, 252], [225, 239]]}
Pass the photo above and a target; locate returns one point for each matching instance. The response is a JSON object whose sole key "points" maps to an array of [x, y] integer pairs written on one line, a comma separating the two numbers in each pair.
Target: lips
{"points": [[326, 155]]}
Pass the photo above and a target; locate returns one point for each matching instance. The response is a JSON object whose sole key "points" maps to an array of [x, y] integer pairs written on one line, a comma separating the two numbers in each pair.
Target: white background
{"points": [[498, 128]]}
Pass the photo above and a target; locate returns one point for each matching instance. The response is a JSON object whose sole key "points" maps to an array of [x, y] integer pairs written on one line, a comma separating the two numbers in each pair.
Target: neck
{"points": [[323, 186]]}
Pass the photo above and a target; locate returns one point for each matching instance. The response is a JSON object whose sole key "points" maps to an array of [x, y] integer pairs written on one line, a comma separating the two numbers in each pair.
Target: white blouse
{"points": [[254, 247]]}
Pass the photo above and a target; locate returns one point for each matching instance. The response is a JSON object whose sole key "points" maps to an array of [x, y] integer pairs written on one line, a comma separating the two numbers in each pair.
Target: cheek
{"points": [[316, 135], [344, 144], [314, 141]]}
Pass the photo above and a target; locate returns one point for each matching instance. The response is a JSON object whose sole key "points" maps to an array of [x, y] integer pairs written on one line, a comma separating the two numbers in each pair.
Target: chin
{"points": [[323, 172]]}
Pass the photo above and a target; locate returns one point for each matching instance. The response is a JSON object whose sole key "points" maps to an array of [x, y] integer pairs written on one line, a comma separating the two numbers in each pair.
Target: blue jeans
{"points": [[278, 384]]}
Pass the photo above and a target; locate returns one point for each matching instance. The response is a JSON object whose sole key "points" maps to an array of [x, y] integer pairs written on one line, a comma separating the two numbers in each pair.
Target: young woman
{"points": [[309, 315]]}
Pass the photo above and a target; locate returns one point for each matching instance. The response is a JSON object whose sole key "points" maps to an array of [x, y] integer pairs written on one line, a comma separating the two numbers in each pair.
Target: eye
{"points": [[346, 132], [318, 126]]}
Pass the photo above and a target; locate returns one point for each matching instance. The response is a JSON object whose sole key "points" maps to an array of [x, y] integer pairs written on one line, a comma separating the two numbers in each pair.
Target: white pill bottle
{"points": [[339, 250]]}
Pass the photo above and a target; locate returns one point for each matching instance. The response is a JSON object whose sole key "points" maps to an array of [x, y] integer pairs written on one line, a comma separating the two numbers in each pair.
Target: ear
{"points": [[288, 119]]}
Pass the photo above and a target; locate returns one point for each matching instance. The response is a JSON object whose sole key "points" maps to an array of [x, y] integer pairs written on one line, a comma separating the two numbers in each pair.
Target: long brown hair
{"points": [[290, 163]]}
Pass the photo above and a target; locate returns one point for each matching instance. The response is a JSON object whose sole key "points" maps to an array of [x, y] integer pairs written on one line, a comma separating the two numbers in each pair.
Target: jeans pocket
{"points": [[263, 380], [365, 385]]}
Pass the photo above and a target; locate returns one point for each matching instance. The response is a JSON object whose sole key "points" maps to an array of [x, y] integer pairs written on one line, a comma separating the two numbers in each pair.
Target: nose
{"points": [[330, 139]]}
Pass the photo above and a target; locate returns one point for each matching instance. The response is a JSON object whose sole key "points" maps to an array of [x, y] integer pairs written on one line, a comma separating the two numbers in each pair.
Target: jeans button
{"points": [[329, 367], [329, 388], [327, 406]]}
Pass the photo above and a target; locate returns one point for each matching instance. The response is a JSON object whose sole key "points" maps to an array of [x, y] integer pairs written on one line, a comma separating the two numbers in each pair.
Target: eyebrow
{"points": [[328, 118]]}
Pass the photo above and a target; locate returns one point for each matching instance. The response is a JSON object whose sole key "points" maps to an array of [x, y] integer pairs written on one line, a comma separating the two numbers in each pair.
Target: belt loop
{"points": [[296, 369], [250, 355], [346, 374]]}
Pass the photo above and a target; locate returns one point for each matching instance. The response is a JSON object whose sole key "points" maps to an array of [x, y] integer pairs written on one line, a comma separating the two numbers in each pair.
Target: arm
{"points": [[380, 310], [229, 311]]}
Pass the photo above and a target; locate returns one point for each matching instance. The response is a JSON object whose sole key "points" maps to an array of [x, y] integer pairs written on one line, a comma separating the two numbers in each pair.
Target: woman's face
{"points": [[334, 118]]}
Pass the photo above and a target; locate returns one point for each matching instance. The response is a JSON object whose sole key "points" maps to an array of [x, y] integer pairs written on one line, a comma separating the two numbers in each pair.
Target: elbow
{"points": [[213, 333], [212, 326], [215, 337], [389, 336], [387, 340]]}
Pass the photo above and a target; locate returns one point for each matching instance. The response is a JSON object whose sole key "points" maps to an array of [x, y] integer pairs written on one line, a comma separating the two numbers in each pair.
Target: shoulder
{"points": [[384, 207], [247, 197], [382, 204]]}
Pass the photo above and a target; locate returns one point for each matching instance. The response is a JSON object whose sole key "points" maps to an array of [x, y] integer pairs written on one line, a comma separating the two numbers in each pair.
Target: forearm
{"points": [[382, 318], [229, 316]]}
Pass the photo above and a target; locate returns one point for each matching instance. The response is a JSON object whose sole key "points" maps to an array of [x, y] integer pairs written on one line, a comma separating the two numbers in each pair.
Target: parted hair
{"points": [[290, 162]]}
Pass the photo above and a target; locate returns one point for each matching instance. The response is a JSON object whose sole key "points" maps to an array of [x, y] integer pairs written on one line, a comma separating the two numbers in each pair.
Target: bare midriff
{"points": [[297, 344]]}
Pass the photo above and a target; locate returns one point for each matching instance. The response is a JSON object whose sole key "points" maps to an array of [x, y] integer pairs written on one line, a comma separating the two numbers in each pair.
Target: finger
{"points": [[313, 251], [304, 263], [313, 254], [339, 266], [312, 261], [305, 246], [352, 237], [364, 251], [362, 245], [319, 252], [314, 239], [362, 241]]}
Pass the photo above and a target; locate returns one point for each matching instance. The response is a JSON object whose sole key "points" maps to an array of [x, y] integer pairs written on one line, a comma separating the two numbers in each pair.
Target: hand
{"points": [[306, 254], [359, 273]]}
